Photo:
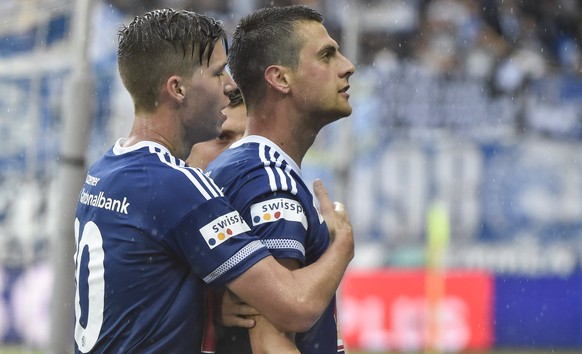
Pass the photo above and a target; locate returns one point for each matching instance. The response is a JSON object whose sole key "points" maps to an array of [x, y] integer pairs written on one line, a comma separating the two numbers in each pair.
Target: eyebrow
{"points": [[221, 67], [328, 48]]}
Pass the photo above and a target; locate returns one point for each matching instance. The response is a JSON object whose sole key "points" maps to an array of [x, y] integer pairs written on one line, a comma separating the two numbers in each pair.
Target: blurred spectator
{"points": [[507, 41]]}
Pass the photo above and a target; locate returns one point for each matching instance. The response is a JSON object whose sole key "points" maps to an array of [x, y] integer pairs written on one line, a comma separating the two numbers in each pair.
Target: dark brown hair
{"points": [[162, 43]]}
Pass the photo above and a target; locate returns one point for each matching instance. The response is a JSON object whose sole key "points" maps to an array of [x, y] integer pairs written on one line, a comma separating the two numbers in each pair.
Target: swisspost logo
{"points": [[222, 228], [278, 209]]}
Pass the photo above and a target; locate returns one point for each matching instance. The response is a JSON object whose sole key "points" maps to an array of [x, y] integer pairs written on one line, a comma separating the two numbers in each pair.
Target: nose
{"points": [[349, 67], [229, 84]]}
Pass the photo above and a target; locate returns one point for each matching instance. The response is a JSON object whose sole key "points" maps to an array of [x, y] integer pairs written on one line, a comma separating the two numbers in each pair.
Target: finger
{"points": [[341, 213], [234, 298], [247, 310], [326, 207], [246, 323], [325, 204], [239, 322]]}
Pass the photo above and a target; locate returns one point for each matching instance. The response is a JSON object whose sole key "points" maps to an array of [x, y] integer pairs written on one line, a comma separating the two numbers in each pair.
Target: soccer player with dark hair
{"points": [[295, 84]]}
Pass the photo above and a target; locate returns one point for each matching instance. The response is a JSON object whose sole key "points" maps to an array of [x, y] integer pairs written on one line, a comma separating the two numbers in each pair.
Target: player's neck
{"points": [[283, 129], [151, 127]]}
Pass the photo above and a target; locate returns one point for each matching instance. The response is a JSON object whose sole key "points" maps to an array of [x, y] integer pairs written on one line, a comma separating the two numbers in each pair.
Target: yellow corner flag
{"points": [[437, 232]]}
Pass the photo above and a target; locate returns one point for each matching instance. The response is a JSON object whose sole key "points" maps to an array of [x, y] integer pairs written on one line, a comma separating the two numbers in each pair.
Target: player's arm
{"points": [[266, 338], [293, 300]]}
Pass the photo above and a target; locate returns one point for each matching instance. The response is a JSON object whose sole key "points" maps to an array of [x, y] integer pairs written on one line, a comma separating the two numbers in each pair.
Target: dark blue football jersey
{"points": [[151, 233], [265, 185]]}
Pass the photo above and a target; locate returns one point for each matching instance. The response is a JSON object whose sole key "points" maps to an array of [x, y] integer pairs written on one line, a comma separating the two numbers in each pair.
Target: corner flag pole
{"points": [[438, 231]]}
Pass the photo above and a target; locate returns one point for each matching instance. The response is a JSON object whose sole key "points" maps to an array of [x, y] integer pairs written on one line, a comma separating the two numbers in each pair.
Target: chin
{"points": [[345, 112]]}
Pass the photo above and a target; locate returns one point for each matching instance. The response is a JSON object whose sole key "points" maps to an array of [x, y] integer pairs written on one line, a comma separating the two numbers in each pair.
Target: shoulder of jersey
{"points": [[262, 167], [180, 177]]}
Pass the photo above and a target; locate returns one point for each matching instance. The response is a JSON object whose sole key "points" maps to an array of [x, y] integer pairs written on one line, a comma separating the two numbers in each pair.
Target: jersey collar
{"points": [[262, 140], [119, 150]]}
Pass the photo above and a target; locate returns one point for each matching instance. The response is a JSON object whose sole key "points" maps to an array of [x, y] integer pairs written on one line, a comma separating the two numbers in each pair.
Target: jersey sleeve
{"points": [[215, 241], [266, 193], [280, 221]]}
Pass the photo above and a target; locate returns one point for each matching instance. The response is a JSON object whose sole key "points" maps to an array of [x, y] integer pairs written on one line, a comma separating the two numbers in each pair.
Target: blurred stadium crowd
{"points": [[474, 103], [452, 37]]}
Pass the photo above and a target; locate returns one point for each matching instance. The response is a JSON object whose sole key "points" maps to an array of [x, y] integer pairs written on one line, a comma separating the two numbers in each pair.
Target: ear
{"points": [[278, 77], [175, 88]]}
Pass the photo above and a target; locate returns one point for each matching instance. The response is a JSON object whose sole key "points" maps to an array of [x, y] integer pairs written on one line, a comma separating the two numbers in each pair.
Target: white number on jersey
{"points": [[92, 240]]}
